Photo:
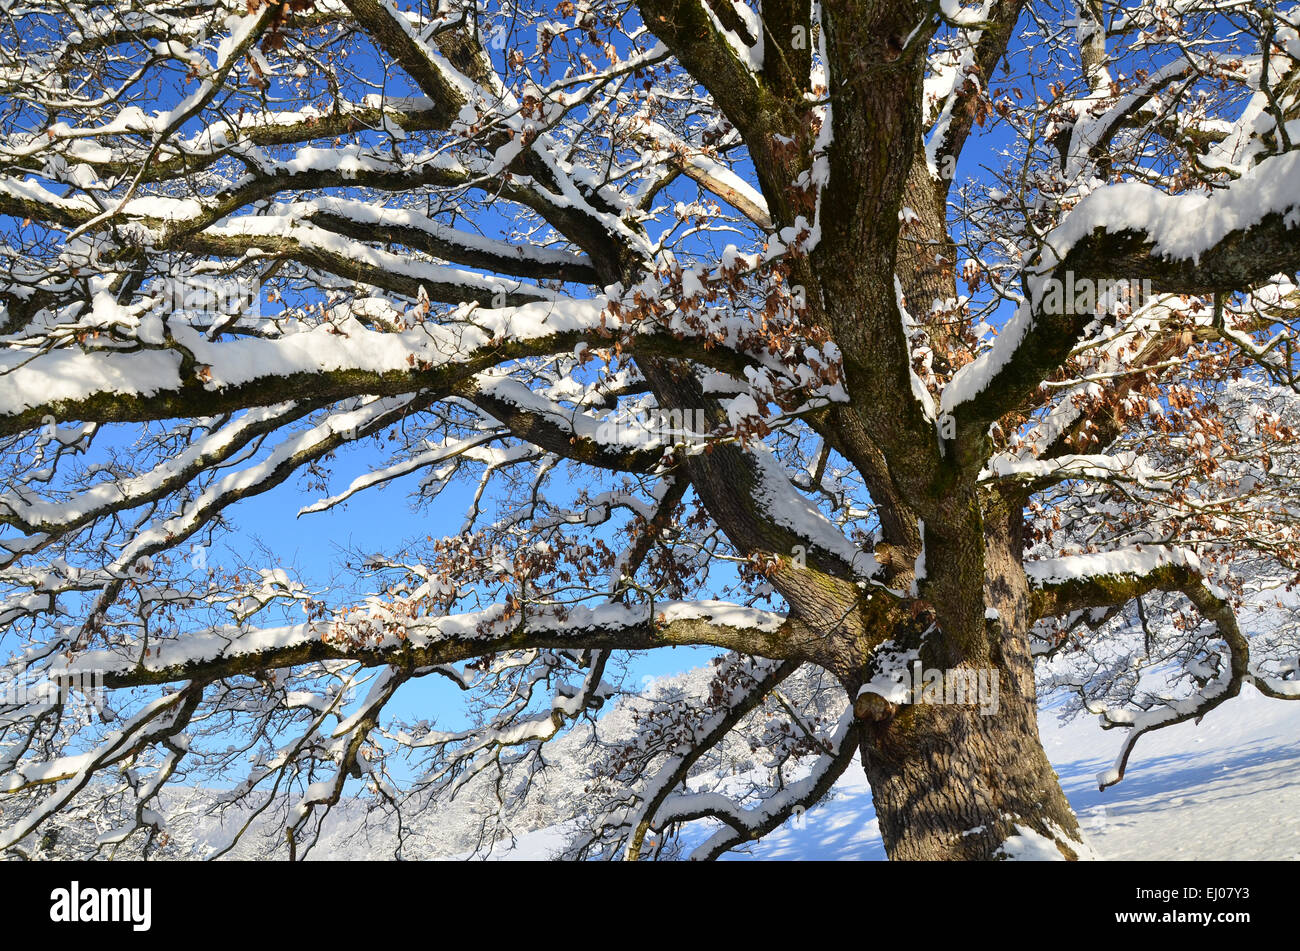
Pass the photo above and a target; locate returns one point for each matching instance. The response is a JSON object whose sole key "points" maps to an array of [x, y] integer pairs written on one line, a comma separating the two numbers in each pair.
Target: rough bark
{"points": [[951, 783], [956, 781]]}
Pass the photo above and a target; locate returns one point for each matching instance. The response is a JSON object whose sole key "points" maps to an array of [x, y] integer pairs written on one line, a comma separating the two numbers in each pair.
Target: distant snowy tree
{"points": [[851, 340]]}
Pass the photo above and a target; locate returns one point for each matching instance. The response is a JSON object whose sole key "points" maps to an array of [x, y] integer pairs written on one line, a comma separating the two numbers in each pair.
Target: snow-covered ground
{"points": [[1228, 788]]}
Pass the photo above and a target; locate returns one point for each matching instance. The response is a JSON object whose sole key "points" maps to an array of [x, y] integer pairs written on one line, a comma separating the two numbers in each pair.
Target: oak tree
{"points": [[846, 338]]}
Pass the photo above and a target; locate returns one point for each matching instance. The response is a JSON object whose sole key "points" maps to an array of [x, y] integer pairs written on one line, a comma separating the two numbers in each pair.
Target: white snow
{"points": [[1125, 561], [1186, 226], [1180, 227], [1193, 793], [1030, 846]]}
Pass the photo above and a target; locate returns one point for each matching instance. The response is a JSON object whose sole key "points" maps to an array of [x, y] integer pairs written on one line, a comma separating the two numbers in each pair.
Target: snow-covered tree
{"points": [[847, 338]]}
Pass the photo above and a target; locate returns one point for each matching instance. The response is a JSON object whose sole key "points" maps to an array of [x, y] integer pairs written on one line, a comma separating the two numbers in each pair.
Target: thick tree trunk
{"points": [[951, 783], [957, 781]]}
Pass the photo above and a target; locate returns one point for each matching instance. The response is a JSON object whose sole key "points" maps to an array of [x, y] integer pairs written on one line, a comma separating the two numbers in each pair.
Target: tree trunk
{"points": [[956, 781], [950, 782]]}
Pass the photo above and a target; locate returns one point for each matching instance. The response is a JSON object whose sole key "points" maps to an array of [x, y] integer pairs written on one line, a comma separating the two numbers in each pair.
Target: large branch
{"points": [[969, 84], [433, 641], [687, 28], [1112, 579], [432, 72], [572, 434], [1074, 583], [876, 63], [400, 274], [193, 225], [1233, 240], [364, 222], [189, 375]]}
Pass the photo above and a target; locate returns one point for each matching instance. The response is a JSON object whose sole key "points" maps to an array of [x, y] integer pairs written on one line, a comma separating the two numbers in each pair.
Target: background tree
{"points": [[686, 289]]}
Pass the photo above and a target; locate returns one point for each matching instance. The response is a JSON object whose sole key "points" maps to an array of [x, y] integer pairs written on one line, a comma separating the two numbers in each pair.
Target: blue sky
{"points": [[379, 520]]}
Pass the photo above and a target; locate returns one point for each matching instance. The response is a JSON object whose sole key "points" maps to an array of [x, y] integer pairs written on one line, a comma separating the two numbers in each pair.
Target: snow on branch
{"points": [[1230, 240], [741, 824], [187, 373], [1081, 583], [677, 767], [383, 637]]}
